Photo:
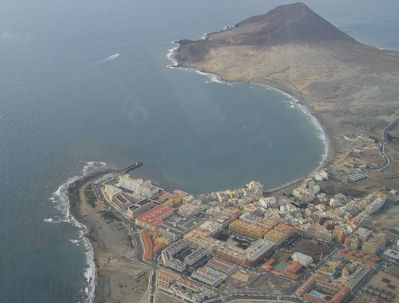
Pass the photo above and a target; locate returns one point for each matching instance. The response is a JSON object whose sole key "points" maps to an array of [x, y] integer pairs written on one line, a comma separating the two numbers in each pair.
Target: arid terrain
{"points": [[352, 88], [119, 277]]}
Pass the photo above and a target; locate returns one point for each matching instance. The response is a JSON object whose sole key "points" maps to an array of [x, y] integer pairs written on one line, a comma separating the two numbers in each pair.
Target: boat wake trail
{"points": [[110, 58]]}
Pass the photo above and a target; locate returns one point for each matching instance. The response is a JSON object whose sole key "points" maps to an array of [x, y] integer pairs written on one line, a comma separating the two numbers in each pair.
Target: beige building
{"points": [[319, 232], [279, 233], [247, 229], [371, 247]]}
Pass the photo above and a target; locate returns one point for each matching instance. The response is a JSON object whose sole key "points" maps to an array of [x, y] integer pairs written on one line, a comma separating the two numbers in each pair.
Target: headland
{"points": [[351, 88], [118, 275]]}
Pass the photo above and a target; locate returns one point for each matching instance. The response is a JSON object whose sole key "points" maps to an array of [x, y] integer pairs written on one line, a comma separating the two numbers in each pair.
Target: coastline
{"points": [[109, 250], [73, 190], [99, 287], [294, 97], [61, 199]]}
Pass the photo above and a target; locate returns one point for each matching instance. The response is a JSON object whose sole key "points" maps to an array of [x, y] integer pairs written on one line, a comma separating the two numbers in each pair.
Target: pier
{"points": [[132, 167]]}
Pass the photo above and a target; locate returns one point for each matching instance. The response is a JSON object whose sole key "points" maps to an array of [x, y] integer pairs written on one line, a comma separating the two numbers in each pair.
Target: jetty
{"points": [[131, 167]]}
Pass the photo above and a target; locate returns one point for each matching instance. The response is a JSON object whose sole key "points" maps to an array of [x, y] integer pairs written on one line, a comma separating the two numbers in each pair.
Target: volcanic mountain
{"points": [[293, 48], [351, 87]]}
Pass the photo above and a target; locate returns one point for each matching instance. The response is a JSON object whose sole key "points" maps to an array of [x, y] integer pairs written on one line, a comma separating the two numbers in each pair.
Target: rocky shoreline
{"points": [[115, 279]]}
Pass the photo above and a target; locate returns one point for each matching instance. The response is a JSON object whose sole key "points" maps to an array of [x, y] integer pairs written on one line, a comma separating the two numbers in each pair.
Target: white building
{"points": [[138, 186], [255, 187], [392, 254], [303, 259], [338, 200], [321, 175], [267, 202], [110, 192]]}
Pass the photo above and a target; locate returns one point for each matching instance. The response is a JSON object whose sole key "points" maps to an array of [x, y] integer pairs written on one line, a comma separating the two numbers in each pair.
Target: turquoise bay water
{"points": [[63, 104]]}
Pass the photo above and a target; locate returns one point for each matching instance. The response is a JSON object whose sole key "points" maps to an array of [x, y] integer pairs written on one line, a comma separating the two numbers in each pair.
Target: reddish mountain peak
{"points": [[291, 23]]}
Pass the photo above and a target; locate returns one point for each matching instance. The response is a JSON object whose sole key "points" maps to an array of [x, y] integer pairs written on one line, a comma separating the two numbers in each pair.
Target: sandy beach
{"points": [[116, 272]]}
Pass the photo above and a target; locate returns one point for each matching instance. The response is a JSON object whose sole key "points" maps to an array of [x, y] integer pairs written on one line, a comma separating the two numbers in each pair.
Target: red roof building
{"points": [[148, 245], [153, 218]]}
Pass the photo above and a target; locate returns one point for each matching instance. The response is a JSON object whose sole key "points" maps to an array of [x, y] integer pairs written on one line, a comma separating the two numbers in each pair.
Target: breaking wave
{"points": [[61, 202], [211, 78]]}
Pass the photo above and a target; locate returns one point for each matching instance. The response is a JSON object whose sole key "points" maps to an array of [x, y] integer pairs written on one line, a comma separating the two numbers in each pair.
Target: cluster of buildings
{"points": [[364, 155], [209, 275], [334, 281], [291, 271], [182, 287], [153, 219], [130, 196], [383, 288], [215, 272], [320, 289], [168, 256], [203, 239], [231, 252], [256, 227]]}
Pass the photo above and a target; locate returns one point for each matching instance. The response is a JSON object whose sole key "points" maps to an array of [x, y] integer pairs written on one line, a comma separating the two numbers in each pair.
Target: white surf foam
{"points": [[90, 271], [75, 241], [92, 166], [211, 78], [171, 56], [55, 220], [228, 27], [62, 204]]}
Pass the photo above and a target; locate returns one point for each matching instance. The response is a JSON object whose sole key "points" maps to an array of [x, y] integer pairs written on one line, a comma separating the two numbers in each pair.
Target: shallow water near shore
{"points": [[86, 82]]}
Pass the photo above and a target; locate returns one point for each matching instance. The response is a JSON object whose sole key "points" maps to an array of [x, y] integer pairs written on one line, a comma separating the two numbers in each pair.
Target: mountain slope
{"points": [[291, 47], [294, 23], [351, 87]]}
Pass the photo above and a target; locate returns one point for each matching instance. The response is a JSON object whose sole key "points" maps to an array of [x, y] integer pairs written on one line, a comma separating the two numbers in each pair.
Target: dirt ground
{"points": [[116, 270]]}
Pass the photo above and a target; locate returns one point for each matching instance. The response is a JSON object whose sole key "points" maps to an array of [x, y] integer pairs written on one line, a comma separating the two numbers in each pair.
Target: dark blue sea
{"points": [[85, 84]]}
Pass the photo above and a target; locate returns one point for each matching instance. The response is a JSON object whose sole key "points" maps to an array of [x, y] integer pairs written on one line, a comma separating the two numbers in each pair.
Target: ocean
{"points": [[85, 85]]}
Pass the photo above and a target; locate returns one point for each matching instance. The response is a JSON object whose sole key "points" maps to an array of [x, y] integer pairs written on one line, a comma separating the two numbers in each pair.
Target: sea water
{"points": [[85, 84]]}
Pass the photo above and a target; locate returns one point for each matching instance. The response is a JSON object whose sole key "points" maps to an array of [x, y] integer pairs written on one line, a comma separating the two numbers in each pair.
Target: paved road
{"points": [[136, 240], [138, 248], [360, 286], [275, 298], [152, 282], [381, 146]]}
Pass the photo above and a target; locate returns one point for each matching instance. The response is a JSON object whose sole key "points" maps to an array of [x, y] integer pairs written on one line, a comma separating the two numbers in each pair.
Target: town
{"points": [[316, 245]]}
